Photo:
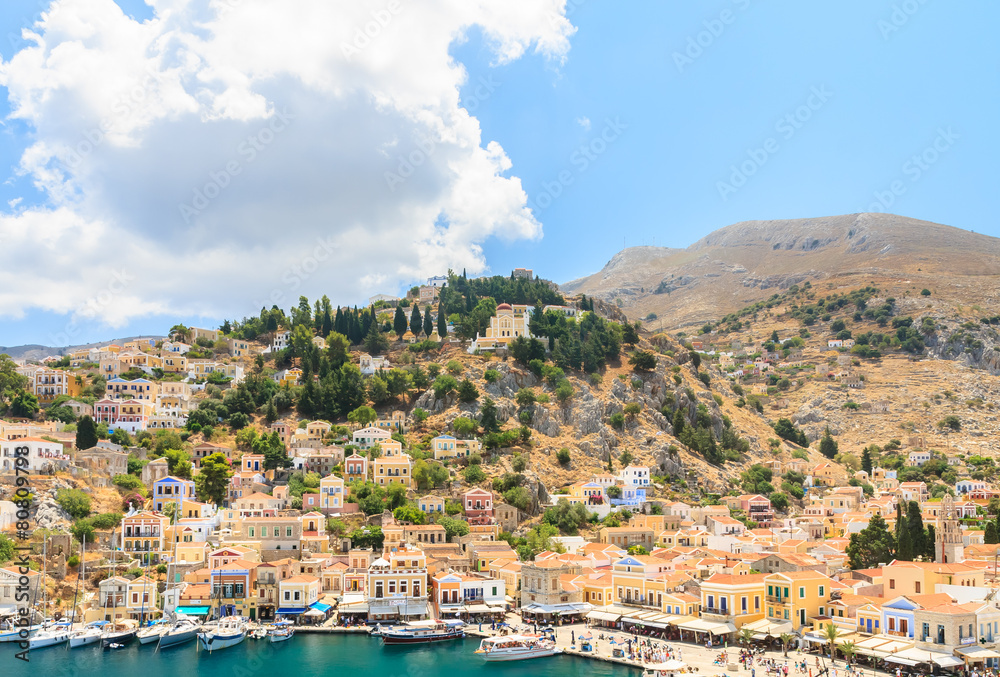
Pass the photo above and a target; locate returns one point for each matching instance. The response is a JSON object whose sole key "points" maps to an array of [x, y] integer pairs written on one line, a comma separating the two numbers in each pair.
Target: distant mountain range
{"points": [[747, 262], [37, 352]]}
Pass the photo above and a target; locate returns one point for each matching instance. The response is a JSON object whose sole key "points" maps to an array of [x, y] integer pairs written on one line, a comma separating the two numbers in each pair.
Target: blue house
{"points": [[897, 617], [171, 489]]}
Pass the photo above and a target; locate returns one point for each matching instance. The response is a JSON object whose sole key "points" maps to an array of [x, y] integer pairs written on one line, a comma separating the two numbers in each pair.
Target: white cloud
{"points": [[228, 153], [583, 122]]}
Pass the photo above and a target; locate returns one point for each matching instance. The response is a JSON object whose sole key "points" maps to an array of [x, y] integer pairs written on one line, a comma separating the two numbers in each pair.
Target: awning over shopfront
{"points": [[867, 647], [291, 610], [193, 610], [890, 648], [763, 628], [604, 616], [704, 625], [924, 656], [561, 609], [478, 609], [946, 661], [895, 658], [319, 606], [977, 654]]}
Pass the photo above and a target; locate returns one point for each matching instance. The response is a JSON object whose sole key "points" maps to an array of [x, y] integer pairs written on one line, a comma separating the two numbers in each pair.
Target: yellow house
{"points": [[641, 580], [509, 323], [141, 598], [394, 470], [446, 446], [290, 377], [733, 598], [796, 596], [331, 493], [191, 553], [921, 578], [298, 593], [175, 364]]}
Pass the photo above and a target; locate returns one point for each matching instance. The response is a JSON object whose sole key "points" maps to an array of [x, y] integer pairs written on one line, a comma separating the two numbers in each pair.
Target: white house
{"points": [[965, 486], [42, 455], [918, 458], [281, 340], [365, 438], [437, 281], [369, 365], [635, 476]]}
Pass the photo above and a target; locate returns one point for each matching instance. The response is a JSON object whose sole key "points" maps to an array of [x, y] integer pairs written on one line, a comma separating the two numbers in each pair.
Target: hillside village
{"points": [[810, 469]]}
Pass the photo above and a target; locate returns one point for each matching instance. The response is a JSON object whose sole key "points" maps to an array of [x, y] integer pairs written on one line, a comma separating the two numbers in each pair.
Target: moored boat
{"points": [[57, 634], [120, 633], [90, 634], [151, 634], [516, 648], [181, 632], [229, 632], [671, 668], [281, 632], [11, 632], [420, 632]]}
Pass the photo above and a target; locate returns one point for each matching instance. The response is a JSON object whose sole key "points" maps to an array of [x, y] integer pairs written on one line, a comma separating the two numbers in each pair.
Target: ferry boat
{"points": [[516, 648], [90, 634], [229, 632], [282, 631], [420, 632], [181, 632]]}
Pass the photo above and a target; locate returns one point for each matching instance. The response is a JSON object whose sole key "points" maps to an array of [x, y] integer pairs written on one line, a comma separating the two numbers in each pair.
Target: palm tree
{"points": [[848, 649], [831, 635], [786, 639], [746, 636]]}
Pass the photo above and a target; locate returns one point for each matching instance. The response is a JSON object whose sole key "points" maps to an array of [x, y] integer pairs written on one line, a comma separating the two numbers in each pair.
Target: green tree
{"points": [[74, 501], [637, 550], [376, 342], [779, 500], [24, 405], [488, 416], [212, 481], [442, 324], [83, 530], [363, 416], [678, 423], [473, 474], [453, 527], [467, 391], [642, 360], [990, 537], [871, 545], [563, 456], [866, 461], [443, 385], [6, 548], [416, 320], [787, 430], [915, 525], [463, 426], [399, 322], [904, 546], [564, 391], [86, 433], [428, 322], [827, 445]]}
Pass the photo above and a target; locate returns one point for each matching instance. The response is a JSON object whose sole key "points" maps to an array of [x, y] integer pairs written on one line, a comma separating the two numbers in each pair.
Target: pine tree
{"points": [[828, 445], [428, 322], [271, 413], [442, 321], [679, 422], [399, 322], [866, 462], [991, 534], [416, 321]]}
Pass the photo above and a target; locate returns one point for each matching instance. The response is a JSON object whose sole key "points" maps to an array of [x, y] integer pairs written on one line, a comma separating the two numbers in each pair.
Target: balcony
{"points": [[776, 599], [718, 612], [898, 633]]}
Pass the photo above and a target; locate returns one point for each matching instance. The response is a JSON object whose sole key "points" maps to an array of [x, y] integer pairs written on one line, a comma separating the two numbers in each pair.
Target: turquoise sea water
{"points": [[302, 656]]}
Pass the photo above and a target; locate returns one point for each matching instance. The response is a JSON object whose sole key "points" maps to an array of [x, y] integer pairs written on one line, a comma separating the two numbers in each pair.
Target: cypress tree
{"points": [[442, 322], [930, 539], [828, 445], [904, 547], [416, 321], [679, 422], [866, 462], [86, 433], [915, 525], [399, 322], [991, 534], [428, 322]]}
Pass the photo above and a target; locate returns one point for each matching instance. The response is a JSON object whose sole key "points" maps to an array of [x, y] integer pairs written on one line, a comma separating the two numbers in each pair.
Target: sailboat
{"points": [[119, 632], [230, 631], [90, 634], [181, 632], [56, 634], [152, 634], [11, 632]]}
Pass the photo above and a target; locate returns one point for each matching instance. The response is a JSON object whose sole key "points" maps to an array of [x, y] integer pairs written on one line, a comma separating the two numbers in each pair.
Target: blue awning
{"points": [[193, 610], [319, 606], [291, 610]]}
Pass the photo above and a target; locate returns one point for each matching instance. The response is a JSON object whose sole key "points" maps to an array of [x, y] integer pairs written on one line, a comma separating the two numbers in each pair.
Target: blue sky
{"points": [[633, 137]]}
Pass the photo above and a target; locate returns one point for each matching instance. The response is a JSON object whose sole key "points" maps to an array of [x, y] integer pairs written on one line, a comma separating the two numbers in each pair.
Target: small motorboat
{"points": [[516, 648], [259, 632], [181, 632], [119, 632], [90, 634], [57, 634], [282, 631]]}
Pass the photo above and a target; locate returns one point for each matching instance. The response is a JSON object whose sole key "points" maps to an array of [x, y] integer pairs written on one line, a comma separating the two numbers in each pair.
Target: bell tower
{"points": [[948, 547]]}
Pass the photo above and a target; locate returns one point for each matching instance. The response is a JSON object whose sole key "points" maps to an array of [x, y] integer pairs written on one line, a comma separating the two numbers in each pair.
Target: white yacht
{"points": [[230, 631], [152, 633], [181, 632], [90, 634], [57, 634], [516, 648]]}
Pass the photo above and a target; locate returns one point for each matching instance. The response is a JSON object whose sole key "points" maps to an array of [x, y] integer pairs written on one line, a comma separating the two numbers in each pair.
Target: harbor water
{"points": [[305, 655]]}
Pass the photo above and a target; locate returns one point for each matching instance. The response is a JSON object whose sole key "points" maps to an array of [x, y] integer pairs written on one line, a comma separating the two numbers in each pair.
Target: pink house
{"points": [[355, 467], [478, 504]]}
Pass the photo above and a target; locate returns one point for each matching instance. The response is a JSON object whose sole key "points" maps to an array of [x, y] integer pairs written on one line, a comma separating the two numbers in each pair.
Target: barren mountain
{"points": [[750, 261]]}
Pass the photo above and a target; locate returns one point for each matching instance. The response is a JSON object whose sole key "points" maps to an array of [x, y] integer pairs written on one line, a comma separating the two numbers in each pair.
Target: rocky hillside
{"points": [[747, 262]]}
